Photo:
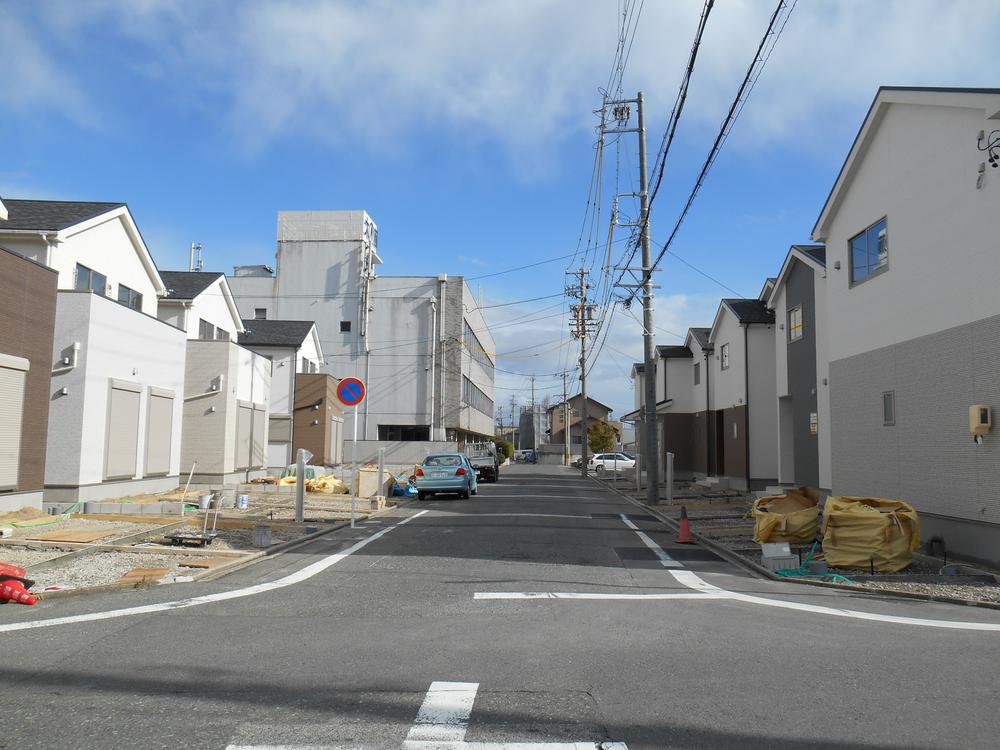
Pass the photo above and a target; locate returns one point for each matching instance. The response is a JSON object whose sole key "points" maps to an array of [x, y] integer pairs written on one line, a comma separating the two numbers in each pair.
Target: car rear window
{"points": [[442, 461]]}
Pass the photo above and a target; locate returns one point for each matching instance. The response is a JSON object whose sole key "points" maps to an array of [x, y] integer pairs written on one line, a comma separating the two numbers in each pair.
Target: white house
{"points": [[912, 235], [117, 371], [292, 347]]}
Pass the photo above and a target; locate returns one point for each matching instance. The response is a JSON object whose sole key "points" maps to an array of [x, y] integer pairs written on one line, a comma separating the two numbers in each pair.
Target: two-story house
{"points": [[911, 230], [117, 372]]}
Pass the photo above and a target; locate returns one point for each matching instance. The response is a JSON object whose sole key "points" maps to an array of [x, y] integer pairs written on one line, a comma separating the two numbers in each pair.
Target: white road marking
{"points": [[290, 580], [525, 515], [546, 496], [666, 560], [586, 595], [444, 714], [514, 746]]}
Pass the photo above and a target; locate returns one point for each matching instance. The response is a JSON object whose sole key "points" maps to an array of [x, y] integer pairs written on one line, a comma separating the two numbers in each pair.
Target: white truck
{"points": [[483, 457]]}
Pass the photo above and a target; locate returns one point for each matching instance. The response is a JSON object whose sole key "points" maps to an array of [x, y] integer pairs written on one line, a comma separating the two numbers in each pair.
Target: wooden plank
{"points": [[144, 575], [206, 562], [75, 535]]}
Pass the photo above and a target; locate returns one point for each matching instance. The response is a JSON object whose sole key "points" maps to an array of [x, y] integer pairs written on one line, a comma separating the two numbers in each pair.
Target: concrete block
{"points": [[780, 563]]}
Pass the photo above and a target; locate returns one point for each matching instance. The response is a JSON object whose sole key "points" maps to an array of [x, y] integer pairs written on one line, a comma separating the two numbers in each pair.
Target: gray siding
{"points": [[800, 289], [928, 457]]}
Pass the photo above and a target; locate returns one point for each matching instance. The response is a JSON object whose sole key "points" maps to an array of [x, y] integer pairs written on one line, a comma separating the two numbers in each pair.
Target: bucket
{"points": [[204, 501], [242, 502]]}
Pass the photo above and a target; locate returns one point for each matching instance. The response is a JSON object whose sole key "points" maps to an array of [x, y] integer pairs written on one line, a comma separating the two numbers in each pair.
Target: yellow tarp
{"points": [[860, 530], [328, 484], [792, 517]]}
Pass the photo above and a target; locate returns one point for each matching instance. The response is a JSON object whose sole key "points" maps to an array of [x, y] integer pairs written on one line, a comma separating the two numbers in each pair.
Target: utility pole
{"points": [[534, 435], [513, 405], [583, 315], [650, 443], [566, 453]]}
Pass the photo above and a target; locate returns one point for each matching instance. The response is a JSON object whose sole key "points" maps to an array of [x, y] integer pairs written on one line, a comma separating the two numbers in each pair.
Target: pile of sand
{"points": [[24, 514]]}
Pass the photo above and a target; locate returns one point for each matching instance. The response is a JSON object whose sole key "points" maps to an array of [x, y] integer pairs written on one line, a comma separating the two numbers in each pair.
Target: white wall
{"points": [[253, 382], [728, 387], [700, 397], [211, 306], [920, 173], [763, 413], [823, 413], [118, 343], [680, 384]]}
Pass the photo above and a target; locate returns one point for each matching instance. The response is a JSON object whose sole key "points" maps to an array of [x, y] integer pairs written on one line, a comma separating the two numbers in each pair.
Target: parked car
{"points": [[483, 457], [602, 462], [446, 473]]}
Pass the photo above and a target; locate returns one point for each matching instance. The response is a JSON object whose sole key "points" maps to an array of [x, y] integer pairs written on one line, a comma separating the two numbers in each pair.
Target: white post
{"points": [[300, 487], [669, 475], [354, 466], [381, 471]]}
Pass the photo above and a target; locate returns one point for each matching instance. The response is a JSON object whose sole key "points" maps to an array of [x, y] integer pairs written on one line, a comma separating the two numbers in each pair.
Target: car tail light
{"points": [[420, 472], [460, 472]]}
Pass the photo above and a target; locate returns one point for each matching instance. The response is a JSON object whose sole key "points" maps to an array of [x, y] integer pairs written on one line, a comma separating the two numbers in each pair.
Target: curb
{"points": [[759, 571], [210, 575]]}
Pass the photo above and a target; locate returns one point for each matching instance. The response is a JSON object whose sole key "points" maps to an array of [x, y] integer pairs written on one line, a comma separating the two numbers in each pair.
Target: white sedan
{"points": [[602, 462]]}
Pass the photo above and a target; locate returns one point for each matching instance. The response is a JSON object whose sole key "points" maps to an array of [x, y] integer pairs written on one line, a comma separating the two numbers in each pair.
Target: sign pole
{"points": [[354, 466]]}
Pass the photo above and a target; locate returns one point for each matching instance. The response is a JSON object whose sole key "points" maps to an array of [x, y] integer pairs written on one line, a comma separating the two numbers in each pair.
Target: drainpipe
{"points": [[443, 279], [746, 386], [72, 360], [708, 413], [432, 377]]}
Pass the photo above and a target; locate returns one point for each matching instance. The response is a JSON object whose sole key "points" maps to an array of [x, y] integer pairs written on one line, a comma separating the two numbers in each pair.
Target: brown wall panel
{"points": [[735, 445]]}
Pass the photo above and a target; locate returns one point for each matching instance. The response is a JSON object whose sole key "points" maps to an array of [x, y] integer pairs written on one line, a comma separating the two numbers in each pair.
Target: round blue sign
{"points": [[351, 391]]}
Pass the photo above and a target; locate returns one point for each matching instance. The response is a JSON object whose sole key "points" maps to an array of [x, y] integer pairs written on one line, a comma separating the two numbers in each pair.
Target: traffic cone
{"points": [[13, 590], [684, 535]]}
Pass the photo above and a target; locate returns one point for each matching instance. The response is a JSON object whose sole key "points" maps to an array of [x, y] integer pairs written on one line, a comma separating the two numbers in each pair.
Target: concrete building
{"points": [[292, 347], [114, 424], [910, 229], [27, 325], [742, 373], [798, 299], [420, 343]]}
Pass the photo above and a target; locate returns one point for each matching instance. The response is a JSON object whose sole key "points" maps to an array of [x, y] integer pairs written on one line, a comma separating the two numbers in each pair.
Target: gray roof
{"points": [[275, 332], [750, 310], [639, 366], [187, 284], [51, 216], [816, 252], [673, 352], [701, 335]]}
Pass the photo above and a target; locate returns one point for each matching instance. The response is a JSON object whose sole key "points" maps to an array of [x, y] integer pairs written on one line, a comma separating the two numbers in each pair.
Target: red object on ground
{"points": [[12, 571], [684, 535], [13, 590]]}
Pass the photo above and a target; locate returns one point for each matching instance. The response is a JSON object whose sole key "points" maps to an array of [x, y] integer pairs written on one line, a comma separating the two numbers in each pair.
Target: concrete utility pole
{"points": [[583, 314], [534, 433], [650, 442], [566, 453]]}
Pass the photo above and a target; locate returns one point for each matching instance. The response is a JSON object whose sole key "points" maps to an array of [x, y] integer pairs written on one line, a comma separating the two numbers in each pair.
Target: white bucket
{"points": [[242, 502], [204, 501]]}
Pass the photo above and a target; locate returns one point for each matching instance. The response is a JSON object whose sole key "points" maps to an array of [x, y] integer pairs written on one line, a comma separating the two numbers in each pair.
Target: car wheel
{"points": [[600, 469], [421, 496], [463, 495], [475, 491]]}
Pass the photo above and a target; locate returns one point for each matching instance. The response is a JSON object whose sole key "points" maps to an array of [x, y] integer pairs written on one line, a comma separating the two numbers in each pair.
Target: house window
{"points": [[345, 326], [205, 329], [129, 297], [724, 356], [89, 280], [795, 323], [476, 398], [260, 313], [889, 408], [403, 432], [869, 252], [221, 334], [697, 373]]}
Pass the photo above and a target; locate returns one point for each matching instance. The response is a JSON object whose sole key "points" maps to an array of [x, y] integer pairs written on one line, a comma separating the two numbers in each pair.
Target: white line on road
{"points": [[587, 595], [666, 560], [297, 577], [545, 496], [444, 714], [473, 516]]}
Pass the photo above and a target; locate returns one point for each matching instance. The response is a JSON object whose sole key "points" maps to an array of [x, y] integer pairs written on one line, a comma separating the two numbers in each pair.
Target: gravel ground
{"points": [[102, 568], [243, 538], [114, 528], [26, 557], [974, 590]]}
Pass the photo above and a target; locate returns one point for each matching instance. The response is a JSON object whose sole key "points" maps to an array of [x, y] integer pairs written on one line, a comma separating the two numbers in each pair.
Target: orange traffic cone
{"points": [[684, 535], [13, 590]]}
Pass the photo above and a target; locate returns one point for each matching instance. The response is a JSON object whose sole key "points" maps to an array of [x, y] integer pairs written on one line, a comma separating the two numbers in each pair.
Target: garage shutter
{"points": [[11, 413], [159, 433], [123, 431], [280, 430], [259, 446], [243, 414]]}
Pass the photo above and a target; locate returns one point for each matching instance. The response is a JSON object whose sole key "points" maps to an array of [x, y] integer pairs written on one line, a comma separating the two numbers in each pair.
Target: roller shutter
{"points": [[11, 416], [123, 431], [243, 416], [259, 444], [159, 433]]}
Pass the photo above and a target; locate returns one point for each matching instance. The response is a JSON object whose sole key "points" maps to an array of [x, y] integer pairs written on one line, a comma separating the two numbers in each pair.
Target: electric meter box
{"points": [[980, 419]]}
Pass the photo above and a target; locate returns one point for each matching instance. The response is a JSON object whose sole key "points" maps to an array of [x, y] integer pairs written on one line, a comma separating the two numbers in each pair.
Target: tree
{"points": [[505, 449], [601, 437]]}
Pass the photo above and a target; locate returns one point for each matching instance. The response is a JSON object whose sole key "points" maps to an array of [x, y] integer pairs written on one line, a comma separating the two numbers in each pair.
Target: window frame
{"points": [[879, 269], [345, 326], [91, 273], [724, 356], [697, 373], [889, 421], [203, 326], [133, 299], [260, 313], [792, 327]]}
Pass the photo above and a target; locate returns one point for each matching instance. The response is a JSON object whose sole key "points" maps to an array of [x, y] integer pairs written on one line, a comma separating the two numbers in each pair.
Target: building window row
{"points": [[89, 280], [475, 398], [869, 251], [208, 331], [476, 350]]}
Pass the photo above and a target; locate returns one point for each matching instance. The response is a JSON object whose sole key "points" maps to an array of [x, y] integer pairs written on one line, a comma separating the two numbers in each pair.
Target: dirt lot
{"points": [[102, 568]]}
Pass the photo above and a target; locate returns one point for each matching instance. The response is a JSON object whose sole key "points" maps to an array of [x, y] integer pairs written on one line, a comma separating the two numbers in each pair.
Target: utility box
{"points": [[778, 556], [980, 419]]}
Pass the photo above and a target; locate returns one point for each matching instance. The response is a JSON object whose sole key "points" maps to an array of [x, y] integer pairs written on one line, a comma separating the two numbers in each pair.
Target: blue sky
{"points": [[464, 128]]}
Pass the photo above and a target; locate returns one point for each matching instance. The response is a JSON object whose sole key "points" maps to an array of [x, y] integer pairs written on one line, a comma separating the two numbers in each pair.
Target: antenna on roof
{"points": [[192, 265]]}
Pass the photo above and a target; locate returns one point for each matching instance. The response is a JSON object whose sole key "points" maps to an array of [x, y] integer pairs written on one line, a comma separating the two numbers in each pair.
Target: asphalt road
{"points": [[440, 633]]}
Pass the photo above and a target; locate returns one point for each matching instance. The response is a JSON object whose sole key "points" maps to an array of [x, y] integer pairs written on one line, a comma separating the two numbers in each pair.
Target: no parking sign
{"points": [[351, 391]]}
